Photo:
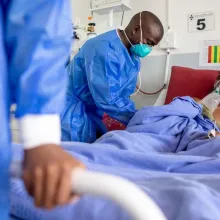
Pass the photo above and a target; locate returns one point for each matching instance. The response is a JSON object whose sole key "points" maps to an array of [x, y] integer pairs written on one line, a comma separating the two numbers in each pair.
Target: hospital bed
{"points": [[200, 84], [187, 82], [126, 194]]}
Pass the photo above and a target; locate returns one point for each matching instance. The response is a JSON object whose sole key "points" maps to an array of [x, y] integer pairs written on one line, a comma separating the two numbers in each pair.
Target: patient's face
{"points": [[196, 100], [216, 113]]}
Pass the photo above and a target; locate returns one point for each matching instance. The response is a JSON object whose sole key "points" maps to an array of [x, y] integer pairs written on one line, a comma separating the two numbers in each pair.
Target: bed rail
{"points": [[124, 193]]}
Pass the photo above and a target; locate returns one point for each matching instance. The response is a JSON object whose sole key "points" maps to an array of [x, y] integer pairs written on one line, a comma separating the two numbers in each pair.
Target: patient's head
{"points": [[197, 100], [215, 115]]}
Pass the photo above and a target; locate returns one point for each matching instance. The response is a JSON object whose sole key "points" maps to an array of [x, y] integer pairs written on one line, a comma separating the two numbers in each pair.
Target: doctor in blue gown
{"points": [[34, 46], [102, 77]]}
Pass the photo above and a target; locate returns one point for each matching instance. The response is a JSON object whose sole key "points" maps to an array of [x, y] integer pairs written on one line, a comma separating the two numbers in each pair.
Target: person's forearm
{"points": [[38, 40]]}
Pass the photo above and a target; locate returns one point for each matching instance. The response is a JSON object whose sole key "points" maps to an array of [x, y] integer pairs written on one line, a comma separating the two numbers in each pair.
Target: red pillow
{"points": [[190, 82]]}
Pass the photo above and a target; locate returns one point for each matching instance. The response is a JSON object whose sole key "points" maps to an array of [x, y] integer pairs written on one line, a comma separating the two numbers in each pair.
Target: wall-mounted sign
{"points": [[201, 22], [210, 53]]}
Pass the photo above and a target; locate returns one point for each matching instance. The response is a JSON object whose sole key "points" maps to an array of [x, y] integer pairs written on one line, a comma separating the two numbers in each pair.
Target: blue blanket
{"points": [[164, 150]]}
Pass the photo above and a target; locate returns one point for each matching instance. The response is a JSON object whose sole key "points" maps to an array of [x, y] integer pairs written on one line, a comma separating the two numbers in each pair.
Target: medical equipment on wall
{"points": [[168, 43], [123, 192], [78, 40], [109, 7], [89, 28], [103, 6]]}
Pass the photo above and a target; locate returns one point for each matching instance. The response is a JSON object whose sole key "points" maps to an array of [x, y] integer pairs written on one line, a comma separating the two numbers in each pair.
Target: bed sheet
{"points": [[164, 151]]}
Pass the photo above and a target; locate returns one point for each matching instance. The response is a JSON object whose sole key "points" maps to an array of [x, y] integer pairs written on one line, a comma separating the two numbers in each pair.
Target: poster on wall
{"points": [[204, 21], [210, 53]]}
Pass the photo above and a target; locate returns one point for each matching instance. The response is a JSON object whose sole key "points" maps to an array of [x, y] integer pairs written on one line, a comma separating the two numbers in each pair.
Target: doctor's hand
{"points": [[47, 175]]}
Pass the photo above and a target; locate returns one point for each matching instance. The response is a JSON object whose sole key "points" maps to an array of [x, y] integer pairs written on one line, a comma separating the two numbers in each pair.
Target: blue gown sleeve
{"points": [[107, 85], [38, 40]]}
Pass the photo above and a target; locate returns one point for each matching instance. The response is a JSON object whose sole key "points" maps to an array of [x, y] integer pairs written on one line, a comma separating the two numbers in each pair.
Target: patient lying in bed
{"points": [[160, 146], [159, 150], [212, 109], [215, 116]]}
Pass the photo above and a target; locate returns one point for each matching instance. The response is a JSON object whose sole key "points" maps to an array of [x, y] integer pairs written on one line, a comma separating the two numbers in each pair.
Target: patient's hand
{"points": [[47, 175]]}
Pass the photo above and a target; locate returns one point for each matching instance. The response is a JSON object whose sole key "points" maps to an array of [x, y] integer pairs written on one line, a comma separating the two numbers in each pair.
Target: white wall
{"points": [[179, 10], [80, 10], [187, 42], [138, 6]]}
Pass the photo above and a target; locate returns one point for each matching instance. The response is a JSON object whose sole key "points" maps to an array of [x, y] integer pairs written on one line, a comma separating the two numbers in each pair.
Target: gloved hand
{"points": [[47, 175]]}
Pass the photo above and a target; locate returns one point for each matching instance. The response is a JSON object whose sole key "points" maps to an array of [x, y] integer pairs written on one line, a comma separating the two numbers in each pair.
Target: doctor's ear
{"points": [[136, 29]]}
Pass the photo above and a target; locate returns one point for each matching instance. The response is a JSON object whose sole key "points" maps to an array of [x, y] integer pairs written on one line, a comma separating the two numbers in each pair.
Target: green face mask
{"points": [[140, 50]]}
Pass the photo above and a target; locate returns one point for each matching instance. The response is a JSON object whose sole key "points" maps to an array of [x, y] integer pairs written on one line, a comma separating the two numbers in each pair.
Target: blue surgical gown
{"points": [[102, 77], [34, 47]]}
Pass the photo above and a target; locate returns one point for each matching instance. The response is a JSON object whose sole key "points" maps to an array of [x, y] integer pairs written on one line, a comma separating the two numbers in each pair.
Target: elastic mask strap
{"points": [[141, 28], [128, 38]]}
